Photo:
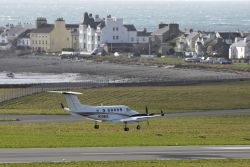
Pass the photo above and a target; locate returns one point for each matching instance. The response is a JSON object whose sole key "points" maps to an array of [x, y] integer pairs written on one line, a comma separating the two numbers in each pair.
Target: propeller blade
{"points": [[146, 110], [162, 114], [62, 106]]}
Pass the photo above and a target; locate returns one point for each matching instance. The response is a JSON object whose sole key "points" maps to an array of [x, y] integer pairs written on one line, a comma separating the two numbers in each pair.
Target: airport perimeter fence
{"points": [[16, 91]]}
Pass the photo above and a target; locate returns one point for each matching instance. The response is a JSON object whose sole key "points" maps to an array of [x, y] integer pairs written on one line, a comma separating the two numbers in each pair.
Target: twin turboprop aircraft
{"points": [[115, 113]]}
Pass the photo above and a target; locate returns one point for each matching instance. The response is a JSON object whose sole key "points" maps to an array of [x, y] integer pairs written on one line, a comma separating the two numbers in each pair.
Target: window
{"points": [[99, 38], [103, 110], [84, 36], [114, 109], [92, 38], [97, 110], [132, 39], [120, 109], [108, 110], [113, 37], [117, 28], [113, 28], [84, 45], [117, 37]]}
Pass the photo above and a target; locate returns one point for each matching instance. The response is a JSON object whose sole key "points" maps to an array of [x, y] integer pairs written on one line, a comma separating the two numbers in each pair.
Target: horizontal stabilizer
{"points": [[66, 92]]}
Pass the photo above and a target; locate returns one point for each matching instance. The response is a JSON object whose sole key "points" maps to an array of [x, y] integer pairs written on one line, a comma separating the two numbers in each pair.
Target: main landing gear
{"points": [[138, 127], [126, 127], [96, 126]]}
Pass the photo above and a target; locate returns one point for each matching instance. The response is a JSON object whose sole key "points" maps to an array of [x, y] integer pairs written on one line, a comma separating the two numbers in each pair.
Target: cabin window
{"points": [[108, 110], [97, 110], [112, 109], [103, 110], [120, 109]]}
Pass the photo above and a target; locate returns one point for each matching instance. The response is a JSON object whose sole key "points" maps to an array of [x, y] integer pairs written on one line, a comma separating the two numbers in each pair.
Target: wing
{"points": [[138, 118]]}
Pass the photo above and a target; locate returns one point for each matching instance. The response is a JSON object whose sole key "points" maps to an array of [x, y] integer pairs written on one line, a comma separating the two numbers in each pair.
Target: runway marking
{"points": [[229, 148]]}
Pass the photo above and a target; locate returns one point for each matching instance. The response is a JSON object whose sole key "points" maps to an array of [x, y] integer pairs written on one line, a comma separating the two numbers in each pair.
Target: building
{"points": [[24, 39], [165, 32], [54, 37], [110, 31], [240, 49], [143, 36], [15, 31], [228, 37], [191, 40]]}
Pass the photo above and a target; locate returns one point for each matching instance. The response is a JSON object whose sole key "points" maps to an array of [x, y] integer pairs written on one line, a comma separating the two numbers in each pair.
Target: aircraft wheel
{"points": [[138, 127], [126, 129], [97, 127]]}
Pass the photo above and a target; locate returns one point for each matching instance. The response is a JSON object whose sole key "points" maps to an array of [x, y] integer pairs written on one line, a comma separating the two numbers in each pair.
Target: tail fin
{"points": [[71, 99]]}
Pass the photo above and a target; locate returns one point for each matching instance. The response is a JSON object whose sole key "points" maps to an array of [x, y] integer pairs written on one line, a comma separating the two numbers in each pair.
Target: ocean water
{"points": [[199, 15]]}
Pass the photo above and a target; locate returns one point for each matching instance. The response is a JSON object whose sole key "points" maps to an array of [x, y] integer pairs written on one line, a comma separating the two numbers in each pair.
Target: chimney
{"points": [[162, 25]]}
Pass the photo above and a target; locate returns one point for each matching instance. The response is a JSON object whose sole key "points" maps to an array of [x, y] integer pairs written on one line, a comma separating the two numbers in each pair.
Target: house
{"points": [[111, 31], [203, 42], [165, 32], [240, 49], [14, 32], [24, 39], [191, 40], [143, 36], [54, 37], [228, 37]]}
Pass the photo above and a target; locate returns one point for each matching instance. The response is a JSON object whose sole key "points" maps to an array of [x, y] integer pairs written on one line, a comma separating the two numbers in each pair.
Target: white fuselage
{"points": [[105, 113]]}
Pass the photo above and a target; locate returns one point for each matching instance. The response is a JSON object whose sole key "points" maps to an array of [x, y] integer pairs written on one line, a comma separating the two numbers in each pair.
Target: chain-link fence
{"points": [[16, 91]]}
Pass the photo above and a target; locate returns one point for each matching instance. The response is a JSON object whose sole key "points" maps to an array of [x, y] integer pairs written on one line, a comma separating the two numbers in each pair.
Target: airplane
{"points": [[114, 113]]}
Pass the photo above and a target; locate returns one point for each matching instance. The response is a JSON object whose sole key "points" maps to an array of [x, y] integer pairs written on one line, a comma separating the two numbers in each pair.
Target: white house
{"points": [[143, 36], [191, 40], [24, 39], [93, 32], [240, 49]]}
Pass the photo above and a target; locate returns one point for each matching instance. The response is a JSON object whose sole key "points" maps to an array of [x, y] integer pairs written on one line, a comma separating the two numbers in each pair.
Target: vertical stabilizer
{"points": [[71, 99]]}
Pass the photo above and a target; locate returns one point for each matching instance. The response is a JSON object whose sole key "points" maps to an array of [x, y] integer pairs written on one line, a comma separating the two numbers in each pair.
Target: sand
{"points": [[105, 70]]}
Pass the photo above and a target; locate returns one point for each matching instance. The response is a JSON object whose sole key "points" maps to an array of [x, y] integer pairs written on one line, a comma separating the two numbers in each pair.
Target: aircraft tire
{"points": [[126, 129]]}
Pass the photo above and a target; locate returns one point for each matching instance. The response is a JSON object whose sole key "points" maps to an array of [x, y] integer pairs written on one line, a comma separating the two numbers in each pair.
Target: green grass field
{"points": [[221, 130], [201, 97], [152, 163]]}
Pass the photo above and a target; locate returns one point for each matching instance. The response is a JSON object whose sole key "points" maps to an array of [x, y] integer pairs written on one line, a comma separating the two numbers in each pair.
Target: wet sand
{"points": [[105, 70]]}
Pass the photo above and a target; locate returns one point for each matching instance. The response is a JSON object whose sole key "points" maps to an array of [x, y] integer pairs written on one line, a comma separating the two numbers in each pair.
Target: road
{"points": [[62, 118], [122, 153]]}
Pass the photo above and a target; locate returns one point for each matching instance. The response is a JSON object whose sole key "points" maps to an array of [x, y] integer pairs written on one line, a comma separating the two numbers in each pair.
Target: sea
{"points": [[198, 15]]}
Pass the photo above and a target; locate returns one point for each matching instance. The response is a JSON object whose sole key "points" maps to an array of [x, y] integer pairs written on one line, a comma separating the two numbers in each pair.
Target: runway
{"points": [[122, 153], [64, 118]]}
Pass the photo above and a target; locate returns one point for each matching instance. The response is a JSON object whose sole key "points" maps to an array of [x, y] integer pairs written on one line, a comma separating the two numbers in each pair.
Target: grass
{"points": [[3, 91], [221, 130], [148, 163], [201, 97], [172, 60]]}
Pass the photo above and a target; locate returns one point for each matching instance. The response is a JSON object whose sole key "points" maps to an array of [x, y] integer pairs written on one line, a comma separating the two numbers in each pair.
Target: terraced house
{"points": [[54, 37], [110, 31]]}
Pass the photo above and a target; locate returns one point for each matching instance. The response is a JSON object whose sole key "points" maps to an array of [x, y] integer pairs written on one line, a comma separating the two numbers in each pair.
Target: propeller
{"points": [[162, 114], [62, 105], [146, 111]]}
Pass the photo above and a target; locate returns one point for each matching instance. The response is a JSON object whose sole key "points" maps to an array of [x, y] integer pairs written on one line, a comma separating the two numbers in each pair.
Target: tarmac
{"points": [[65, 118], [122, 153]]}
